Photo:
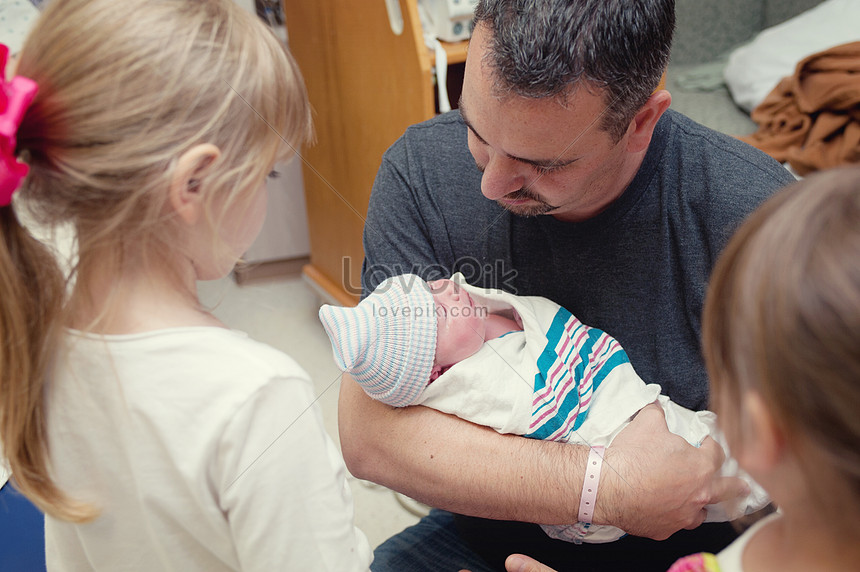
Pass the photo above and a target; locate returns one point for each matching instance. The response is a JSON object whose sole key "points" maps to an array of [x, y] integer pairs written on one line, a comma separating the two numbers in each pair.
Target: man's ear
{"points": [[642, 127], [186, 184], [764, 441]]}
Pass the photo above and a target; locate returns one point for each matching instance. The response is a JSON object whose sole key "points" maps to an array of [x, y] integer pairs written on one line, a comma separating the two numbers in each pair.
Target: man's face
{"points": [[541, 156]]}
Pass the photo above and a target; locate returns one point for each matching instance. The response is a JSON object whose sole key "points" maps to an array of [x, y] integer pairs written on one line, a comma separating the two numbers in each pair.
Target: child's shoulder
{"points": [[729, 559], [268, 356], [200, 357], [236, 351]]}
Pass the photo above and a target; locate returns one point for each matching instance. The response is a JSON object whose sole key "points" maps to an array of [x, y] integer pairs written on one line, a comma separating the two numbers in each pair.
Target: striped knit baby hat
{"points": [[387, 343]]}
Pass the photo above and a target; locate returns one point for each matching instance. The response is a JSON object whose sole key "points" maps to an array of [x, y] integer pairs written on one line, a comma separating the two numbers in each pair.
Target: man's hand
{"points": [[657, 483], [521, 563]]}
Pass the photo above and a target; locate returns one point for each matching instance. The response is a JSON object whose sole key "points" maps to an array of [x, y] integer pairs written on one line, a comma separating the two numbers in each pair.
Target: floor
{"points": [[282, 311]]}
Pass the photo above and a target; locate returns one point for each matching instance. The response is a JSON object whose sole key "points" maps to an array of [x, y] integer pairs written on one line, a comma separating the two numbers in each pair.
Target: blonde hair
{"points": [[782, 318], [125, 88]]}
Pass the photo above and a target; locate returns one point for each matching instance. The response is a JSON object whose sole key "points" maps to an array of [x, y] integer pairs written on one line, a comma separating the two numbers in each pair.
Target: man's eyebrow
{"points": [[544, 163]]}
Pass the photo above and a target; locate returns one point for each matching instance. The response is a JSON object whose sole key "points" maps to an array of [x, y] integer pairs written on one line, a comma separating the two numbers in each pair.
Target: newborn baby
{"points": [[519, 364]]}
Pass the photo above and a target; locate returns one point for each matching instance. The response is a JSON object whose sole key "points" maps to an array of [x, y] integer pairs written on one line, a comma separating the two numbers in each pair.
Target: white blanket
{"points": [[563, 381]]}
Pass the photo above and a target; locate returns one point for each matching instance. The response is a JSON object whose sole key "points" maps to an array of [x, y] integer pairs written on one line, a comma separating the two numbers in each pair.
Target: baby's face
{"points": [[461, 325]]}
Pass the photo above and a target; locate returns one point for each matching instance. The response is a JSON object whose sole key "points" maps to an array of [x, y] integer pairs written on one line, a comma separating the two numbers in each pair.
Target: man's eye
{"points": [[541, 170], [273, 174]]}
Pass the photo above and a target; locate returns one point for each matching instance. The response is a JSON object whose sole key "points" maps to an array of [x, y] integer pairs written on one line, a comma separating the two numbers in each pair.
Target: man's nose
{"points": [[502, 176]]}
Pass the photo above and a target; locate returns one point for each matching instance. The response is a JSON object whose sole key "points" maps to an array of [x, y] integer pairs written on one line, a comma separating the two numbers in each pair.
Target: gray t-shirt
{"points": [[638, 270]]}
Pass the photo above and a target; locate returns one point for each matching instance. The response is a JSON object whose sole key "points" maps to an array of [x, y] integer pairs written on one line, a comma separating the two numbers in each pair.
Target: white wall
{"points": [[285, 232], [247, 4]]}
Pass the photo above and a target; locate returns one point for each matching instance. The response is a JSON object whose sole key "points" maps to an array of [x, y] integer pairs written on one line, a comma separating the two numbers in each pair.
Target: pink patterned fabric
{"points": [[701, 562]]}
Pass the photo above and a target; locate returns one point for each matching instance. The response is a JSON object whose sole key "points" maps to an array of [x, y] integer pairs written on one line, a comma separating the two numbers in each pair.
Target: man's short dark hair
{"points": [[547, 48]]}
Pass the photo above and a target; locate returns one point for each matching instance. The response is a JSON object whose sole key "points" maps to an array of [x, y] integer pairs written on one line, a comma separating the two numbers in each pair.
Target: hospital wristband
{"points": [[589, 486]]}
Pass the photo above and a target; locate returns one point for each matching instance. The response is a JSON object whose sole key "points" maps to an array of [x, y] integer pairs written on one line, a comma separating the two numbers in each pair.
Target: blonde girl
{"points": [[153, 437]]}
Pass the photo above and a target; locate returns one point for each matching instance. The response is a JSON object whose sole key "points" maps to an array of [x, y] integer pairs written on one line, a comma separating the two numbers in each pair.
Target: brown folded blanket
{"points": [[812, 119]]}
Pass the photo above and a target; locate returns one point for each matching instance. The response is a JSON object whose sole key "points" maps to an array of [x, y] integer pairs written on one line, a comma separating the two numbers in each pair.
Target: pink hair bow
{"points": [[15, 96]]}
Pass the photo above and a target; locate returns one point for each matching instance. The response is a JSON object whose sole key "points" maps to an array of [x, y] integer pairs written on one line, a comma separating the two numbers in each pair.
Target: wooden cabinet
{"points": [[366, 84]]}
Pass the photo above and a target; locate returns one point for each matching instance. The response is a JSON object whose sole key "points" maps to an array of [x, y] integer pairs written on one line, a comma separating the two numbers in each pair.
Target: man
{"points": [[562, 175]]}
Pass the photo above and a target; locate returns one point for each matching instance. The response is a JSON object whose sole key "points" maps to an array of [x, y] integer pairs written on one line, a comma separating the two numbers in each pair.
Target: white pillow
{"points": [[754, 69]]}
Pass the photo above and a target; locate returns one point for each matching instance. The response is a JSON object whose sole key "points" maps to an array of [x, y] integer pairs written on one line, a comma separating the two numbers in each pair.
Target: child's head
{"points": [[144, 107], [138, 98], [781, 336], [403, 335]]}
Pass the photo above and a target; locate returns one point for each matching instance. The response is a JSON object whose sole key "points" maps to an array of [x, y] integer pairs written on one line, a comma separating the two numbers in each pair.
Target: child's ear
{"points": [[764, 442], [186, 196]]}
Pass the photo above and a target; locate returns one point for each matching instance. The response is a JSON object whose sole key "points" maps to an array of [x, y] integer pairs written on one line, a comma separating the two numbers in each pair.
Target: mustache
{"points": [[537, 208], [526, 194]]}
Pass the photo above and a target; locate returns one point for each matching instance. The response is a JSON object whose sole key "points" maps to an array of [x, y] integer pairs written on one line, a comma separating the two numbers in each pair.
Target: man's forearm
{"points": [[653, 483], [449, 463]]}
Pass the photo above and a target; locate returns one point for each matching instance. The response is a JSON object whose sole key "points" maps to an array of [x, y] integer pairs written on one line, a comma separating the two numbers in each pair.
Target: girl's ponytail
{"points": [[32, 290]]}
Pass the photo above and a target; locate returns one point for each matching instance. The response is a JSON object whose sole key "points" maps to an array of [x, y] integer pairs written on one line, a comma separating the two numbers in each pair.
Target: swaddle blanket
{"points": [[561, 380]]}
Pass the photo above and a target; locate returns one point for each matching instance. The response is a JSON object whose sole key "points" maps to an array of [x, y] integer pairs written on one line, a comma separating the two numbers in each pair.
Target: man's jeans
{"points": [[432, 545]]}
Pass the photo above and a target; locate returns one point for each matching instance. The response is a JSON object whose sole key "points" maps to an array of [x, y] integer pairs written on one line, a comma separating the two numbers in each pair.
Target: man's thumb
{"points": [[520, 563]]}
